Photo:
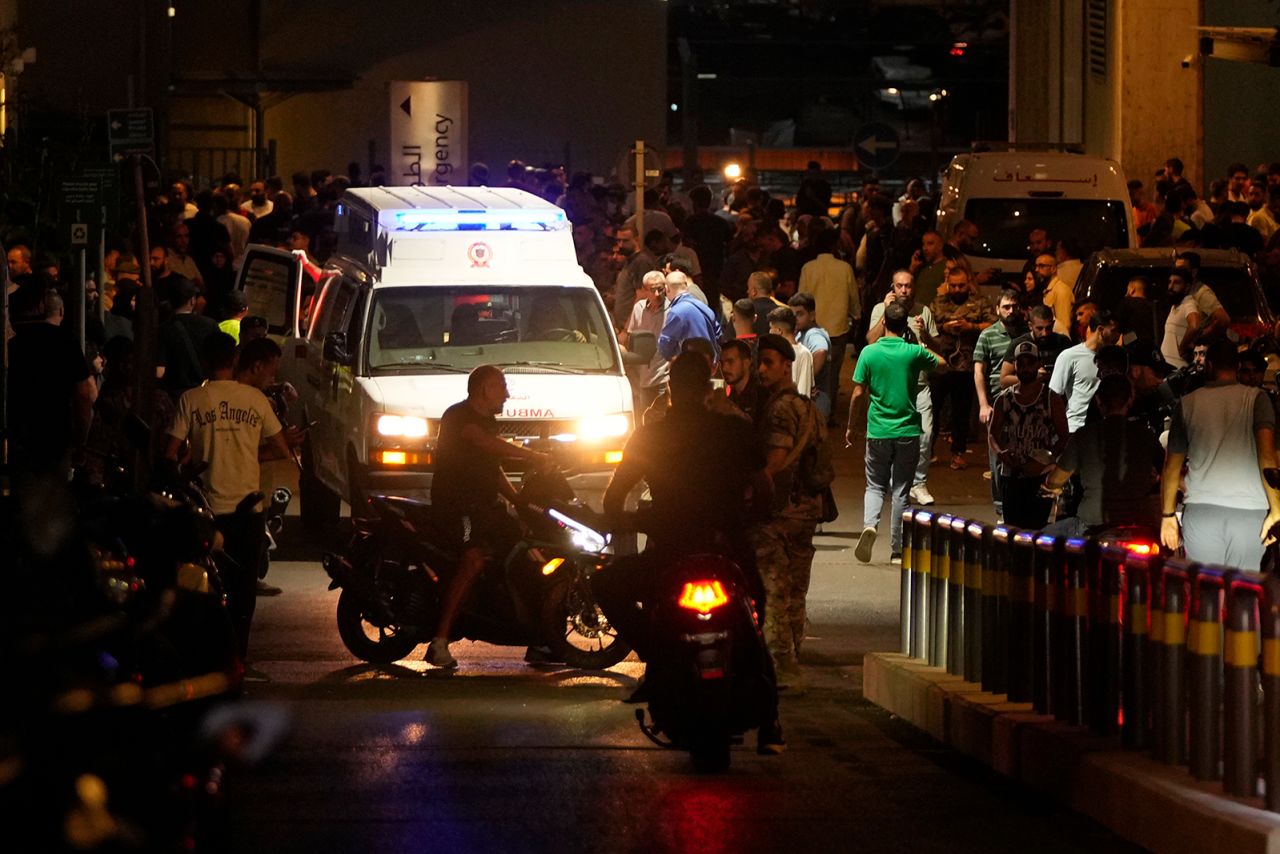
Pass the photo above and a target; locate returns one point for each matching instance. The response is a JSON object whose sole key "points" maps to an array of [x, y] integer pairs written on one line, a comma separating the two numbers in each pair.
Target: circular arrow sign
{"points": [[876, 145]]}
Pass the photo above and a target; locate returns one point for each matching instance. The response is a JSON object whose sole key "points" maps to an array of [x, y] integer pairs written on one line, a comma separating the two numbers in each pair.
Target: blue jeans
{"points": [[891, 465]]}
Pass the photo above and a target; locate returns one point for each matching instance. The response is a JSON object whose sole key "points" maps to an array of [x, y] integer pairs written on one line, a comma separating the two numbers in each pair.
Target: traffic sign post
{"points": [[876, 145], [130, 132]]}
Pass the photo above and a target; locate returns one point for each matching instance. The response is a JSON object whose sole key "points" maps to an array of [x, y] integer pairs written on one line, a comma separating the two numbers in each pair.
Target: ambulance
{"points": [[1009, 193], [426, 284]]}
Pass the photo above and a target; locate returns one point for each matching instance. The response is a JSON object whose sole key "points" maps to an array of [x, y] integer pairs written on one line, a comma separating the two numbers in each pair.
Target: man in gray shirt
{"points": [[1225, 435], [1075, 376]]}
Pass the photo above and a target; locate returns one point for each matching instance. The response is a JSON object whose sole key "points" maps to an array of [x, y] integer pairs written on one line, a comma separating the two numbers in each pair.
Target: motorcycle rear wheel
{"points": [[366, 640], [576, 630]]}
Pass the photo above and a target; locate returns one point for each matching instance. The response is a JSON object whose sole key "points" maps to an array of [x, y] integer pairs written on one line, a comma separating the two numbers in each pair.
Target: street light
{"points": [[732, 171]]}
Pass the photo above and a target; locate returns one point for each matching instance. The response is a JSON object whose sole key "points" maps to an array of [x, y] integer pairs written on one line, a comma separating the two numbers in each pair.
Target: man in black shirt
{"points": [[1048, 343], [745, 390], [182, 338], [51, 392], [700, 467], [468, 482]]}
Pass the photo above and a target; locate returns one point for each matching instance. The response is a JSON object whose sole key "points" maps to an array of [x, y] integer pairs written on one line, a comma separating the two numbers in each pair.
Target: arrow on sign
{"points": [[873, 145], [404, 105]]}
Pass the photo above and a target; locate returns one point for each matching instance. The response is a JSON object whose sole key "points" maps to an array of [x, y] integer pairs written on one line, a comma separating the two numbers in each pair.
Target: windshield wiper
{"points": [[555, 367], [421, 366]]}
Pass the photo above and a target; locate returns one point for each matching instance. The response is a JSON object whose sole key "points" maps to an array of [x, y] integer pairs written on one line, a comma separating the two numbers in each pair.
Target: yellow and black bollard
{"points": [[1204, 664], [1168, 696], [1105, 642], [997, 557], [906, 612], [1240, 686], [939, 579], [1073, 615], [954, 534], [1133, 691], [1270, 618], [974, 600], [1022, 617], [921, 563], [1046, 567]]}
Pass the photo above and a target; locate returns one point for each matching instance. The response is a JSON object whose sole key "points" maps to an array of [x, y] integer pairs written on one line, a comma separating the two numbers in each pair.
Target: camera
{"points": [[1188, 60]]}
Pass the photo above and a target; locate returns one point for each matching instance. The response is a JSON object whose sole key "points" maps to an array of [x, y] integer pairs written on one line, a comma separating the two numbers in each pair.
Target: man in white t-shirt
{"points": [[228, 424], [1183, 324], [782, 321]]}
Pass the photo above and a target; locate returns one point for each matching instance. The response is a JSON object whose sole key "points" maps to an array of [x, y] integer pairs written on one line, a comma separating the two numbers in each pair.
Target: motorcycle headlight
{"points": [[401, 426], [582, 536]]}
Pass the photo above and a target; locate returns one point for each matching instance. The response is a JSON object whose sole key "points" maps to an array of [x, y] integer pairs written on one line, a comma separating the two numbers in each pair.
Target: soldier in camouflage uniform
{"points": [[961, 314], [784, 543]]}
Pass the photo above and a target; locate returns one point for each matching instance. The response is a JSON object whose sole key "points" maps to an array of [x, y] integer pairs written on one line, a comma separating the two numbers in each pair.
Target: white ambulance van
{"points": [[1009, 193], [426, 284]]}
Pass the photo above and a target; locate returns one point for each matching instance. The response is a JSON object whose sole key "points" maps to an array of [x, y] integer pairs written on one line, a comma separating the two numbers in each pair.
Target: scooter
{"points": [[709, 679], [394, 572]]}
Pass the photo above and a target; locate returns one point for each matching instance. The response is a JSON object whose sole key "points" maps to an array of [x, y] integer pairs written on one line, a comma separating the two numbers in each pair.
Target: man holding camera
{"points": [[921, 329]]}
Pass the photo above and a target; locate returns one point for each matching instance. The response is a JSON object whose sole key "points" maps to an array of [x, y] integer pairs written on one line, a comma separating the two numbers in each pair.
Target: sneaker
{"points": [[986, 475], [640, 694], [896, 557], [769, 740], [540, 655], [253, 674], [921, 495], [438, 654], [957, 462], [866, 543], [265, 589]]}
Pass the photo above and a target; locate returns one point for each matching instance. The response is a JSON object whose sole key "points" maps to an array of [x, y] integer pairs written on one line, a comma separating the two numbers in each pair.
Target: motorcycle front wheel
{"points": [[367, 640], [575, 628]]}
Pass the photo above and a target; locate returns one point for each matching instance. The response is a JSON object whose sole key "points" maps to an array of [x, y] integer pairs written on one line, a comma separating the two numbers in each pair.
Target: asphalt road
{"points": [[502, 756]]}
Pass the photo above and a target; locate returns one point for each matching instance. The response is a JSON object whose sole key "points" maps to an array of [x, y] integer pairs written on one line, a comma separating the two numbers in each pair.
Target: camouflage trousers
{"points": [[784, 556]]}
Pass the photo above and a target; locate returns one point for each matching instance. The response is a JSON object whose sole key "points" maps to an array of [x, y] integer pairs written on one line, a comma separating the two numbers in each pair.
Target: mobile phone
{"points": [[1129, 338], [311, 424], [717, 383]]}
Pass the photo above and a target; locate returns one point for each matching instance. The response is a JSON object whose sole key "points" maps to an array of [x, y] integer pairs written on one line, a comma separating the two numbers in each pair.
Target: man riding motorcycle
{"points": [[700, 467], [468, 483]]}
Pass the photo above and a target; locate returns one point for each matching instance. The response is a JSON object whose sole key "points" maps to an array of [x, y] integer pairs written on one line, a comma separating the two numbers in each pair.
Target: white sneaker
{"points": [[920, 495], [866, 543], [438, 654]]}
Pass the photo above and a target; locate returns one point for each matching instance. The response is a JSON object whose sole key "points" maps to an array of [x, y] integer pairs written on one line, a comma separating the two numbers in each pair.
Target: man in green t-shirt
{"points": [[887, 378]]}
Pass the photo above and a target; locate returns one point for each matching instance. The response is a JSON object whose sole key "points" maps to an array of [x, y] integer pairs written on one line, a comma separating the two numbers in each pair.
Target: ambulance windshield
{"points": [[523, 328]]}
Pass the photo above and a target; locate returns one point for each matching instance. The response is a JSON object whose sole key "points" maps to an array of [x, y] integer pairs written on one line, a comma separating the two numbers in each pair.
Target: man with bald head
{"points": [[468, 485]]}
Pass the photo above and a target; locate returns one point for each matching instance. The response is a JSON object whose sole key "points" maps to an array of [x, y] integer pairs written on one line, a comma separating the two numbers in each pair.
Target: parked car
{"points": [[1232, 275]]}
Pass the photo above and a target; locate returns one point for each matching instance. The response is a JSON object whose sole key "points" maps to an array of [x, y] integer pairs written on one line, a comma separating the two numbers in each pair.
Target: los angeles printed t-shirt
{"points": [[226, 421]]}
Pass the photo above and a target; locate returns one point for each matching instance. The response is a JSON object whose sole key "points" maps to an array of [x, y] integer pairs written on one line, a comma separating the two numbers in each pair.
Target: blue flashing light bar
{"points": [[521, 219]]}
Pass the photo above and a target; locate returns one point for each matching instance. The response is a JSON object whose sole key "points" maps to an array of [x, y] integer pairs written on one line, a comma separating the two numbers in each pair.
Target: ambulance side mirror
{"points": [[335, 348]]}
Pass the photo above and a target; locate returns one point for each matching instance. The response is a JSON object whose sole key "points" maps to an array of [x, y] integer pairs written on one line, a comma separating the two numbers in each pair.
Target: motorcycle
{"points": [[708, 676], [394, 572]]}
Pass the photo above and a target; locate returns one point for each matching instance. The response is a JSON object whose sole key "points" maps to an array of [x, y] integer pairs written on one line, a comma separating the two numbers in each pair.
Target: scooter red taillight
{"points": [[1142, 548], [703, 596]]}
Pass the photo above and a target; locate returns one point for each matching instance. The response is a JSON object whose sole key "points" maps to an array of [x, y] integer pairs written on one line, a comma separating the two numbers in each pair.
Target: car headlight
{"points": [[401, 426], [596, 427]]}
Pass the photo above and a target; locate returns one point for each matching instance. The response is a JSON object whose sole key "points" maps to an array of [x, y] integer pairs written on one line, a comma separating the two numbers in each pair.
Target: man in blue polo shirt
{"points": [[686, 318], [888, 378]]}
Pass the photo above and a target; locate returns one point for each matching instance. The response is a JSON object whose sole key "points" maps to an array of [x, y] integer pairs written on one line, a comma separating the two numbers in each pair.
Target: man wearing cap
{"points": [[784, 544], [887, 379], [1028, 433]]}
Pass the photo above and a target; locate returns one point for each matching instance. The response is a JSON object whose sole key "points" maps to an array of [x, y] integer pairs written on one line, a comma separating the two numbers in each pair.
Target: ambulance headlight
{"points": [[596, 427], [401, 426]]}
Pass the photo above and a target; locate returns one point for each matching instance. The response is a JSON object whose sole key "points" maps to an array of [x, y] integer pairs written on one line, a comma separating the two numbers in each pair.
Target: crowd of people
{"points": [[1069, 399]]}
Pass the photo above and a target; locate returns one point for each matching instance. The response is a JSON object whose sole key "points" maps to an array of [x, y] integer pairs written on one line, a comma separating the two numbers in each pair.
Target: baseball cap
{"points": [[779, 345], [1026, 348]]}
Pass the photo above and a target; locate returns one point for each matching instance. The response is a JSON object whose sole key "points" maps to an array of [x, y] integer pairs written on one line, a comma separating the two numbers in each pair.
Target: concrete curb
{"points": [[1156, 806]]}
